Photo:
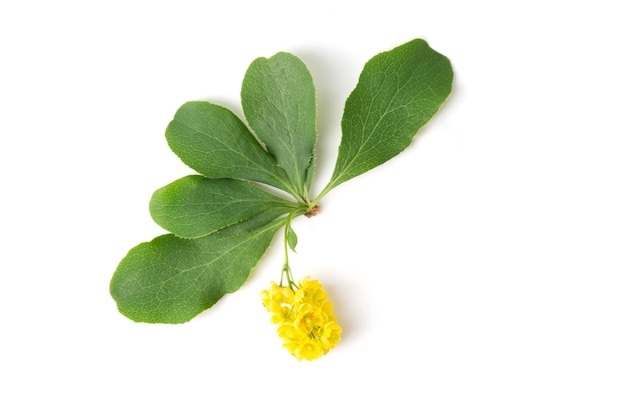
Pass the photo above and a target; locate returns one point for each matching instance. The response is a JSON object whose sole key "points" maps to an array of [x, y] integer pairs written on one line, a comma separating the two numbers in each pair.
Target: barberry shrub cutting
{"points": [[222, 220]]}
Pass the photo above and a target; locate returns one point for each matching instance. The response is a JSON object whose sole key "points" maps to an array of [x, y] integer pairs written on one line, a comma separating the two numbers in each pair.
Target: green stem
{"points": [[286, 271], [331, 184]]}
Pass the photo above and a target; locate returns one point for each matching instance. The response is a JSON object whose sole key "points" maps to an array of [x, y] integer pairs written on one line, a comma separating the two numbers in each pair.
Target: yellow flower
{"points": [[331, 335], [308, 318], [310, 291], [309, 350], [278, 301], [305, 318]]}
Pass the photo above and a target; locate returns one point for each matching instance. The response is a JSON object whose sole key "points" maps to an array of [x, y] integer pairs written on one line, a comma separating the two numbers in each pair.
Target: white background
{"points": [[481, 273]]}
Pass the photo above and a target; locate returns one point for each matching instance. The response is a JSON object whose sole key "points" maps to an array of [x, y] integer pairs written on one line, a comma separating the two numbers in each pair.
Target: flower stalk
{"points": [[304, 315]]}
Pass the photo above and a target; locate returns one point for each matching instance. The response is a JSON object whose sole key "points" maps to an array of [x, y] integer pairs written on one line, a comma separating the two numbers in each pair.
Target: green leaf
{"points": [[292, 238], [397, 93], [171, 280], [278, 101], [214, 141], [195, 206]]}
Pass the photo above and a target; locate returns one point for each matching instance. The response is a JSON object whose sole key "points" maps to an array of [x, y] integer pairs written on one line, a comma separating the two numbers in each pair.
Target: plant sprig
{"points": [[222, 220]]}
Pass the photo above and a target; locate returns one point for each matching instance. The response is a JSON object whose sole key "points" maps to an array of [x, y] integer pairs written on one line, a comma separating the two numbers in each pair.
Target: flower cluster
{"points": [[305, 318]]}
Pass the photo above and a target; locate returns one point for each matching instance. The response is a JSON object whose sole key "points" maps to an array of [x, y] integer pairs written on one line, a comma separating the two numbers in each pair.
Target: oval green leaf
{"points": [[171, 280], [214, 141], [278, 101], [195, 206], [292, 238], [397, 93]]}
